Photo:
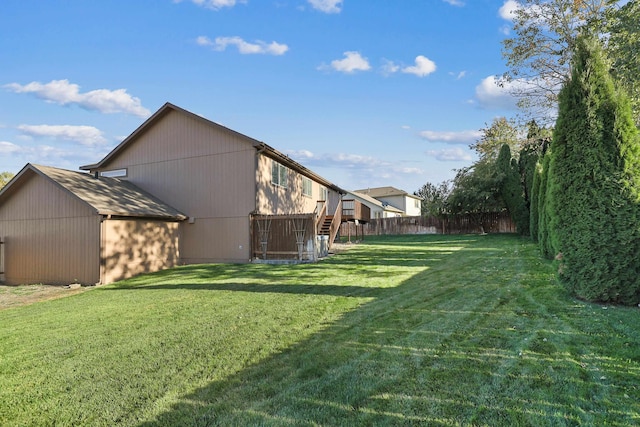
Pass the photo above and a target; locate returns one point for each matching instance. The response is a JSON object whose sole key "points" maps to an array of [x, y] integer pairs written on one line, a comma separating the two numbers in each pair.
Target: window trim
{"points": [[115, 173], [307, 182], [281, 172], [324, 192]]}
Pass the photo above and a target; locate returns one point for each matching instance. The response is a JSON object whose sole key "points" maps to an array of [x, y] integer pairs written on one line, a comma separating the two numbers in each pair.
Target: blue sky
{"points": [[366, 93]]}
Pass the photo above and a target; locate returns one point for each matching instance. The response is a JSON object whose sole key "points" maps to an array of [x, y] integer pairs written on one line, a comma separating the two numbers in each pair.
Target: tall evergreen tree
{"points": [[593, 184], [511, 189], [533, 207], [544, 240], [529, 162]]}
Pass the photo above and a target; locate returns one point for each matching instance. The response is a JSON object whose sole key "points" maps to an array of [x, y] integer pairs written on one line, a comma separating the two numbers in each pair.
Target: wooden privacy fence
{"points": [[284, 237], [498, 222]]}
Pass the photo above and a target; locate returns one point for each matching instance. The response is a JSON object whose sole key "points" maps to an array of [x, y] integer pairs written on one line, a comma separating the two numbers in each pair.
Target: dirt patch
{"points": [[342, 247], [15, 296]]}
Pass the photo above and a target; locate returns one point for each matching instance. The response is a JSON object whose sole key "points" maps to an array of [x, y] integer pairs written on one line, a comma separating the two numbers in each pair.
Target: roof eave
{"points": [[178, 217], [288, 161]]}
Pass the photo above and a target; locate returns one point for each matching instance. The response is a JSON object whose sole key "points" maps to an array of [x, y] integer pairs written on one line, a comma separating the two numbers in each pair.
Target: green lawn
{"points": [[411, 330]]}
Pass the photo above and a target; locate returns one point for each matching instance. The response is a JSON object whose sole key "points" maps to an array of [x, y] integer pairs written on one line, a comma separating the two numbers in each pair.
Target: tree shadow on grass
{"points": [[427, 352], [336, 290]]}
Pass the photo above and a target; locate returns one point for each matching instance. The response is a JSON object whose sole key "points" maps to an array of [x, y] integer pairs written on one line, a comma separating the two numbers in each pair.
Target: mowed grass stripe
{"points": [[406, 330]]}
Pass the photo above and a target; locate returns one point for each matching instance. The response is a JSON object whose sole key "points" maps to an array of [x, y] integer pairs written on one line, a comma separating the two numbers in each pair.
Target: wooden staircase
{"points": [[325, 227]]}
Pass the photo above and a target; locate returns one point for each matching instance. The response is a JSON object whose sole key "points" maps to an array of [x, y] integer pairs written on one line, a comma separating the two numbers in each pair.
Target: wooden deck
{"points": [[353, 210]]}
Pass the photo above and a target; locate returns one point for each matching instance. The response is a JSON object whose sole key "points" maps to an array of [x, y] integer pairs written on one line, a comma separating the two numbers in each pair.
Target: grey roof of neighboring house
{"points": [[108, 196], [385, 192]]}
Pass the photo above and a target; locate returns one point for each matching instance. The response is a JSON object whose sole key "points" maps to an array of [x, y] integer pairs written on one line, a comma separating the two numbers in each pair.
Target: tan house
{"points": [[408, 204], [377, 208], [179, 190]]}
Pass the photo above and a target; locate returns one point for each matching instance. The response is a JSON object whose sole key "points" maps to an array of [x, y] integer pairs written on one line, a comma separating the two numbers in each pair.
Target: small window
{"points": [[279, 174], [323, 193], [115, 173], [307, 186], [417, 203]]}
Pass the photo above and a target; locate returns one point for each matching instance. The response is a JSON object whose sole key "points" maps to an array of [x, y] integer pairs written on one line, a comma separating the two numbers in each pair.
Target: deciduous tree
{"points": [[5, 177], [501, 131], [434, 198], [539, 53]]}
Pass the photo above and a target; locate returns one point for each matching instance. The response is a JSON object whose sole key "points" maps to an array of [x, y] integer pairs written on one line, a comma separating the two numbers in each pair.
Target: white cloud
{"points": [[352, 62], [9, 148], [64, 93], [353, 162], [459, 76], [245, 48], [461, 137], [508, 10], [454, 2], [214, 4], [389, 67], [326, 6], [450, 154], [424, 66], [85, 135], [491, 95]]}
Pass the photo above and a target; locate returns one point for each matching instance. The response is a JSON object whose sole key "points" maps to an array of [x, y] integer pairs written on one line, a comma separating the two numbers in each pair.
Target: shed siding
{"points": [[50, 236], [135, 246], [204, 171]]}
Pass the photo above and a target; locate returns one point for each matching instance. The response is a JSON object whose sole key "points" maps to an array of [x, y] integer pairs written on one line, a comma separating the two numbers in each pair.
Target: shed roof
{"points": [[260, 146], [108, 196]]}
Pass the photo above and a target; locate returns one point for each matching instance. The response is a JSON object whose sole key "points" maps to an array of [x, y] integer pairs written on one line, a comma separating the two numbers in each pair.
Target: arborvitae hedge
{"points": [[527, 161], [533, 206], [544, 240], [592, 187], [511, 190]]}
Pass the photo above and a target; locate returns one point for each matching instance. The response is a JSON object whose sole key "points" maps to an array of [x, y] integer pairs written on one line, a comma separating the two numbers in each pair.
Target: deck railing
{"points": [[354, 210], [335, 224], [320, 214]]}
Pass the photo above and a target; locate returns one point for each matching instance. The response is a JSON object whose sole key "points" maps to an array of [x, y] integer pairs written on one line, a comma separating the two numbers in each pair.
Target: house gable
{"points": [[31, 196]]}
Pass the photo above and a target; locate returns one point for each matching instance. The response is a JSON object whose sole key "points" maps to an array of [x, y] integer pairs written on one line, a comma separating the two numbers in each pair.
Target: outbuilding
{"points": [[74, 227]]}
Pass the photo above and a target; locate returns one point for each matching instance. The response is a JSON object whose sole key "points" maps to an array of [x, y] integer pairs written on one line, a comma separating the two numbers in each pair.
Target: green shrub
{"points": [[592, 185]]}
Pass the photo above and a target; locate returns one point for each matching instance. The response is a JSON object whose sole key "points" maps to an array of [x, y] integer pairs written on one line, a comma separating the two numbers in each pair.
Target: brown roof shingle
{"points": [[108, 196]]}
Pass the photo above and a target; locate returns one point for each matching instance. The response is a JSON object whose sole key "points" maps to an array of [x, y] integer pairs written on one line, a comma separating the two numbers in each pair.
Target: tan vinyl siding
{"points": [[273, 199], [215, 240], [135, 246], [50, 236], [205, 172]]}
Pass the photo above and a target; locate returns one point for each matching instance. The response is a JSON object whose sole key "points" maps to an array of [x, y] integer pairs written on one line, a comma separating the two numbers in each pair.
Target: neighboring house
{"points": [[180, 189], [409, 204], [378, 209]]}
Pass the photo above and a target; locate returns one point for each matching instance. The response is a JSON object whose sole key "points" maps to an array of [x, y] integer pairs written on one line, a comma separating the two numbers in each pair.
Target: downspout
{"points": [[101, 252]]}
